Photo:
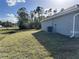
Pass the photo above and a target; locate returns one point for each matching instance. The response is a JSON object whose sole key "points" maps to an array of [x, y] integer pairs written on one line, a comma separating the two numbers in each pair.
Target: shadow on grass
{"points": [[54, 43]]}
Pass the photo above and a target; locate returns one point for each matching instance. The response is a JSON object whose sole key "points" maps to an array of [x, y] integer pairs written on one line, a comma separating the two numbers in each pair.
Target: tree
{"points": [[7, 24], [62, 9], [55, 11], [39, 11], [46, 12], [23, 17], [50, 12], [33, 13], [0, 22]]}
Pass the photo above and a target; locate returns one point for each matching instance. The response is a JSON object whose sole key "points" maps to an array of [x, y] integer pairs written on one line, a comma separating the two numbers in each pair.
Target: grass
{"points": [[60, 47], [22, 45], [36, 44]]}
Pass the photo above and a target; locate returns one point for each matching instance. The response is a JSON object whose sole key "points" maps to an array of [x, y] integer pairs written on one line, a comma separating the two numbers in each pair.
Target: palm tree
{"points": [[62, 9], [55, 11], [46, 12], [50, 11], [33, 13], [39, 11]]}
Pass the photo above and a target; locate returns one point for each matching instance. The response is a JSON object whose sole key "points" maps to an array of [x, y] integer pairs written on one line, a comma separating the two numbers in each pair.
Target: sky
{"points": [[8, 8]]}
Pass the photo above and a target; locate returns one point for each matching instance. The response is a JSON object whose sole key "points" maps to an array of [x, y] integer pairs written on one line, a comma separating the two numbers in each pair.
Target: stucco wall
{"points": [[44, 25], [77, 26], [62, 24]]}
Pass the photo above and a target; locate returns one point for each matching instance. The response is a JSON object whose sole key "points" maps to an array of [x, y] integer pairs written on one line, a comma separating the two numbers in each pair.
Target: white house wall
{"points": [[62, 24], [77, 26], [44, 25]]}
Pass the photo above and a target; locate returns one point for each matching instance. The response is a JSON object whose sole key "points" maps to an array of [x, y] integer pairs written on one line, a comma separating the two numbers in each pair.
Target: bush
{"points": [[32, 25], [35, 25], [21, 25]]}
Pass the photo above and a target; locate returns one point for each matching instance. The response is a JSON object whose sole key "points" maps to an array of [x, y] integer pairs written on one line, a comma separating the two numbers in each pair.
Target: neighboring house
{"points": [[65, 22], [0, 26]]}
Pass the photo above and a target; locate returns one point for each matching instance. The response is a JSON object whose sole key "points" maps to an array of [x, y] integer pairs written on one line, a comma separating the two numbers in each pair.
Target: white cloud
{"points": [[12, 18], [21, 1], [13, 2]]}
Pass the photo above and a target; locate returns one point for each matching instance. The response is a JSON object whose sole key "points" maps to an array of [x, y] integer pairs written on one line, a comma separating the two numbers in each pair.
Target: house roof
{"points": [[66, 11]]}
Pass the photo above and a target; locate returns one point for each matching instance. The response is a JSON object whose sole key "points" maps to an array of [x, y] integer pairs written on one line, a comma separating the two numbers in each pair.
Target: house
{"points": [[65, 22], [0, 26]]}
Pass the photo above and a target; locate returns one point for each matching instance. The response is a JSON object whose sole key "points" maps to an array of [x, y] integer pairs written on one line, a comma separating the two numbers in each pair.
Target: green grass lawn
{"points": [[22, 45], [36, 44]]}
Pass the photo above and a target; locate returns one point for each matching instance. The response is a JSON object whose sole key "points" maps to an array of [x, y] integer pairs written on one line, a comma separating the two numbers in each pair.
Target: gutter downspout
{"points": [[74, 18]]}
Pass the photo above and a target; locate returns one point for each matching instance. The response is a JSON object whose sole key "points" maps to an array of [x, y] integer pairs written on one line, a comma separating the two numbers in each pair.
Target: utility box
{"points": [[50, 29]]}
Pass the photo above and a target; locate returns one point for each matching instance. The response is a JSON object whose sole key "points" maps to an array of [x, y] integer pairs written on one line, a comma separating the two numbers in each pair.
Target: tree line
{"points": [[6, 24], [33, 18], [30, 19]]}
